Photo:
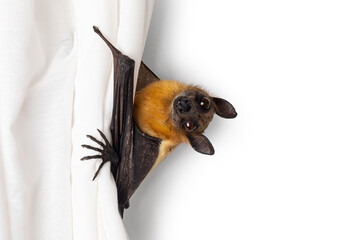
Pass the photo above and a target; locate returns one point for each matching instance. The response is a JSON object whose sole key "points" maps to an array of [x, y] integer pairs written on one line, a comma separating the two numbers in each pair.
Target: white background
{"points": [[288, 167]]}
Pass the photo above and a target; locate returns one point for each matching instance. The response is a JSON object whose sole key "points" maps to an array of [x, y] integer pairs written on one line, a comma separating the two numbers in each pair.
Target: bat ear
{"points": [[201, 144], [224, 108]]}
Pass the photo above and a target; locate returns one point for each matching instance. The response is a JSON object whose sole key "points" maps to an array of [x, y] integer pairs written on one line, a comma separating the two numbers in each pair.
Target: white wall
{"points": [[288, 167]]}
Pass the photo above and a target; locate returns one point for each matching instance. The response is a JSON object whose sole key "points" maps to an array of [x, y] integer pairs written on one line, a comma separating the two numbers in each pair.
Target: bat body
{"points": [[165, 113]]}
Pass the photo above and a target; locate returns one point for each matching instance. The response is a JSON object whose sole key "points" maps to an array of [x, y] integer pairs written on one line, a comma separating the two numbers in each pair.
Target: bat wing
{"points": [[146, 76], [133, 153]]}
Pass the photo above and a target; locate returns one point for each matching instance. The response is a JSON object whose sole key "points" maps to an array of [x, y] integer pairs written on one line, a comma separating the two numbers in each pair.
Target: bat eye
{"points": [[205, 103], [189, 126]]}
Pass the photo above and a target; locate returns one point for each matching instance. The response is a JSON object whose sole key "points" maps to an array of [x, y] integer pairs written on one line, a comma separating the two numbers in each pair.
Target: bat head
{"points": [[176, 112], [192, 110]]}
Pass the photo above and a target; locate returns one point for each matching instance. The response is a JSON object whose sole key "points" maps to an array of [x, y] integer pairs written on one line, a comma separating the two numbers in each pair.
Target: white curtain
{"points": [[55, 88]]}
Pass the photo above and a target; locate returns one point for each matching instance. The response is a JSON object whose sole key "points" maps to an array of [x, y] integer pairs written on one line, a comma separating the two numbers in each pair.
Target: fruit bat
{"points": [[165, 113]]}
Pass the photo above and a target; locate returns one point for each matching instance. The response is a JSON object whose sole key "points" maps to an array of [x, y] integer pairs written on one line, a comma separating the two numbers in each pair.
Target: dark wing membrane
{"points": [[137, 151], [146, 76], [146, 151]]}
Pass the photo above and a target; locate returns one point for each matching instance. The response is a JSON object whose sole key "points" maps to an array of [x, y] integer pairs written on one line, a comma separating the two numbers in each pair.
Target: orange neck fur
{"points": [[152, 110]]}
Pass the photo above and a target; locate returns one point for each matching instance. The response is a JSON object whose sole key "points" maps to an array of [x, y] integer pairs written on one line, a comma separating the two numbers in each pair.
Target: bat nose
{"points": [[183, 105]]}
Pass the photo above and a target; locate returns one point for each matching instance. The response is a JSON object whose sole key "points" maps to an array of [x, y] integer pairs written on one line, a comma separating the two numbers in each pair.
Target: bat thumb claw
{"points": [[96, 29]]}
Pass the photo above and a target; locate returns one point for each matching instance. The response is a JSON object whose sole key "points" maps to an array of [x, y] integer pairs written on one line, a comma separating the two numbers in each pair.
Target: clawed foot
{"points": [[107, 152]]}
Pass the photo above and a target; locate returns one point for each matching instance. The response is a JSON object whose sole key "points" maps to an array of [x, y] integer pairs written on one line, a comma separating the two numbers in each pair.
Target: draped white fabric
{"points": [[56, 87]]}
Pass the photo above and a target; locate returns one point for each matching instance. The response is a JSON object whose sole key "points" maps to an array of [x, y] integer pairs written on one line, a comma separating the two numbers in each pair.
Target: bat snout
{"points": [[182, 105]]}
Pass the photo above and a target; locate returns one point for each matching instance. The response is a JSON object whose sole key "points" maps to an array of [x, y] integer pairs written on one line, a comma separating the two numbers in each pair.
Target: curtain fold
{"points": [[55, 88]]}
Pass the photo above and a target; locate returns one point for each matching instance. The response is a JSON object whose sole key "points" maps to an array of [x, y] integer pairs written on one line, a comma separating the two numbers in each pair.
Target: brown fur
{"points": [[152, 109]]}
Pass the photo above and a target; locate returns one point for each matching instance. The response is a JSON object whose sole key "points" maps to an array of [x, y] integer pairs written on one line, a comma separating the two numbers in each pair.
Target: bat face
{"points": [[192, 111]]}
